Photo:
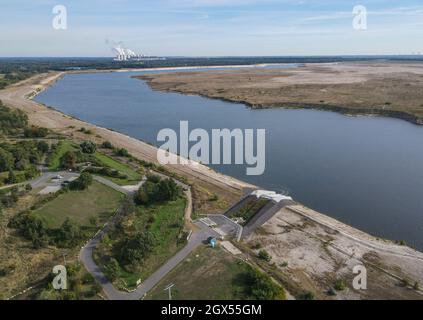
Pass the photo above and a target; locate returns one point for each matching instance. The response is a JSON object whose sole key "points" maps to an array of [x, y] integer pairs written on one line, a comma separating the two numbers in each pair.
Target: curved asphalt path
{"points": [[198, 237]]}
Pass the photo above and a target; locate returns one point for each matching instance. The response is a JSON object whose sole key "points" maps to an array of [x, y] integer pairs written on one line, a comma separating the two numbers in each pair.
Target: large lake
{"points": [[364, 171]]}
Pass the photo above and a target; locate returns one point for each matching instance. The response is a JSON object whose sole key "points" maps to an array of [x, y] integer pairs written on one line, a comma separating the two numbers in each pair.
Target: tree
{"points": [[111, 269], [88, 147], [107, 145], [135, 249], [11, 178], [82, 183], [68, 160], [6, 160], [43, 147], [69, 232], [32, 227], [157, 190]]}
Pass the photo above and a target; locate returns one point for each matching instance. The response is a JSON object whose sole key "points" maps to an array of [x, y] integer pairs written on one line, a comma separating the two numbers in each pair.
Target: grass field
{"points": [[97, 201], [207, 274], [133, 176], [165, 221], [63, 147]]}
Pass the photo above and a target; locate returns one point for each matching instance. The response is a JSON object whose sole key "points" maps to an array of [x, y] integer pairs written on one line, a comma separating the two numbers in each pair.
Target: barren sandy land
{"points": [[314, 251], [383, 88]]}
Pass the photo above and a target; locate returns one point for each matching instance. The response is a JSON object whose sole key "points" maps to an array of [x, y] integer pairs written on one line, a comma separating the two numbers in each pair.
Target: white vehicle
{"points": [[58, 177]]}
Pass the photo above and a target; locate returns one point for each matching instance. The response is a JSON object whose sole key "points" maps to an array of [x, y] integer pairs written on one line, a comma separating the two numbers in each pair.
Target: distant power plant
{"points": [[124, 54]]}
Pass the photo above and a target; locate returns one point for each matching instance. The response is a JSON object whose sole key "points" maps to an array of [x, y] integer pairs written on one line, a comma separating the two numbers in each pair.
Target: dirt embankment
{"points": [[392, 89]]}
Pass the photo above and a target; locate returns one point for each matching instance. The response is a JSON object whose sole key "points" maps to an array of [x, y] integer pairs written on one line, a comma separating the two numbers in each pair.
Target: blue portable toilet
{"points": [[212, 241]]}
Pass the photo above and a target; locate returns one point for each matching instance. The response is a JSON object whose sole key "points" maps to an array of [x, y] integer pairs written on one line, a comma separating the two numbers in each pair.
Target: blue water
{"points": [[364, 171]]}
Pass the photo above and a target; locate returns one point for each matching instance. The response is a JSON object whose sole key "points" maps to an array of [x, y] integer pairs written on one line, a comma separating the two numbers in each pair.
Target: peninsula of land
{"points": [[393, 89]]}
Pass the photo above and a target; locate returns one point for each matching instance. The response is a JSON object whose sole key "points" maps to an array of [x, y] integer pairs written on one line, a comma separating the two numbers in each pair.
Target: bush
{"points": [[6, 160], [122, 152], [261, 286], [88, 147], [68, 234], [340, 285], [85, 130], [32, 227], [156, 190], [107, 145], [264, 255], [43, 147], [306, 296], [111, 269], [35, 132], [87, 278], [136, 248], [11, 178], [82, 183]]}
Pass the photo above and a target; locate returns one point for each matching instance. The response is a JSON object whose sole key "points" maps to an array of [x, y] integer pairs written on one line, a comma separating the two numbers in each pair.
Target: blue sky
{"points": [[210, 27]]}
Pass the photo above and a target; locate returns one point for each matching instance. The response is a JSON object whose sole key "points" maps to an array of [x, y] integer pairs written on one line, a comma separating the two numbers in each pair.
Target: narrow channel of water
{"points": [[364, 171]]}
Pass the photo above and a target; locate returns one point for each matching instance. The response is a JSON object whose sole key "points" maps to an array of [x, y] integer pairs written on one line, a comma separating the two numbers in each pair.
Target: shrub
{"points": [[107, 145], [340, 285], [122, 152], [111, 269], [11, 178], [69, 233], [82, 183], [136, 248], [6, 160], [307, 296], [156, 190], [88, 147], [35, 132], [261, 286], [32, 227], [264, 255], [43, 146]]}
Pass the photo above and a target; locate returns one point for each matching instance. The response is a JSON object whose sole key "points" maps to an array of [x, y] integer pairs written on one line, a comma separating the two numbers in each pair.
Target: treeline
{"points": [[19, 159], [11, 121]]}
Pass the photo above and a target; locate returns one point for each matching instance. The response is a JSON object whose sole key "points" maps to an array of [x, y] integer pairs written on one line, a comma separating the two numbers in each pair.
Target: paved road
{"points": [[111, 184], [86, 256]]}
